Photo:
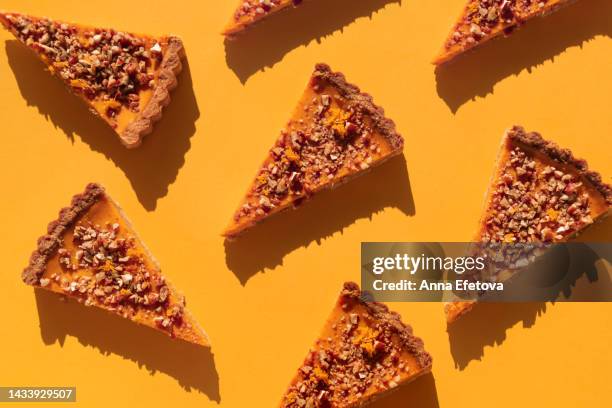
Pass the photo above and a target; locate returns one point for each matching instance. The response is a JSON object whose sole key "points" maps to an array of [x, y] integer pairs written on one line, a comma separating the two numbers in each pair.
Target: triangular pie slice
{"points": [[483, 20], [363, 353], [336, 133], [91, 253], [539, 193], [124, 78], [250, 12]]}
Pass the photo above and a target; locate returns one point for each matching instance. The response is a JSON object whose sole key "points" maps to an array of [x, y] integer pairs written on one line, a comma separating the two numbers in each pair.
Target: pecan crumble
{"points": [[538, 199], [102, 269], [303, 159], [483, 16], [486, 19], [108, 65], [336, 132], [250, 11], [365, 351], [535, 203], [252, 8]]}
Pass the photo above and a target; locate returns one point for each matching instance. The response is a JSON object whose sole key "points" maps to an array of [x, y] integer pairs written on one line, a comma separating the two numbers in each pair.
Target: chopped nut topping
{"points": [[104, 270], [313, 152], [255, 8], [106, 65], [482, 17], [363, 354], [533, 202]]}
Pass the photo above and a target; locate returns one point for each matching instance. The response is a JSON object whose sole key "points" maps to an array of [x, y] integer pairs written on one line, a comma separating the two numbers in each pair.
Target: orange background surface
{"points": [[264, 298]]}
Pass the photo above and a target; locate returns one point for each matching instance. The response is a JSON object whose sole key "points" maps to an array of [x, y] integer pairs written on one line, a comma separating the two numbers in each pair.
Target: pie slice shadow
{"points": [[265, 245], [469, 336], [191, 365], [153, 166], [420, 393], [267, 42], [476, 73]]}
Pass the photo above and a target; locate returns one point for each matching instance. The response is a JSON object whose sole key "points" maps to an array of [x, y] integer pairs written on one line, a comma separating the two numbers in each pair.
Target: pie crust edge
{"points": [[49, 243], [143, 123], [380, 311]]}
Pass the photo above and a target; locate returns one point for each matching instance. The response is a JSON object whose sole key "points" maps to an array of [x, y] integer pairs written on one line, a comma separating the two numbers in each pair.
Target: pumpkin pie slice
{"points": [[250, 12], [91, 253], [483, 20], [336, 133], [124, 78], [539, 193], [363, 353]]}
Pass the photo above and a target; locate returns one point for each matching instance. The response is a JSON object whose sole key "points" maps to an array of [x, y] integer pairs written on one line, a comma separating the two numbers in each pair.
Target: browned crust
{"points": [[381, 312], [49, 243], [535, 141], [364, 100], [170, 67], [446, 55]]}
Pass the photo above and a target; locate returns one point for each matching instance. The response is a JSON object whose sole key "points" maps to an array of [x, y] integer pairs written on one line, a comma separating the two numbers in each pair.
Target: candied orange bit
{"points": [[262, 179], [336, 118], [320, 374], [79, 83], [125, 292], [291, 155], [365, 337], [368, 346], [473, 8], [57, 66], [291, 397], [552, 214], [509, 238], [113, 104], [107, 267]]}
